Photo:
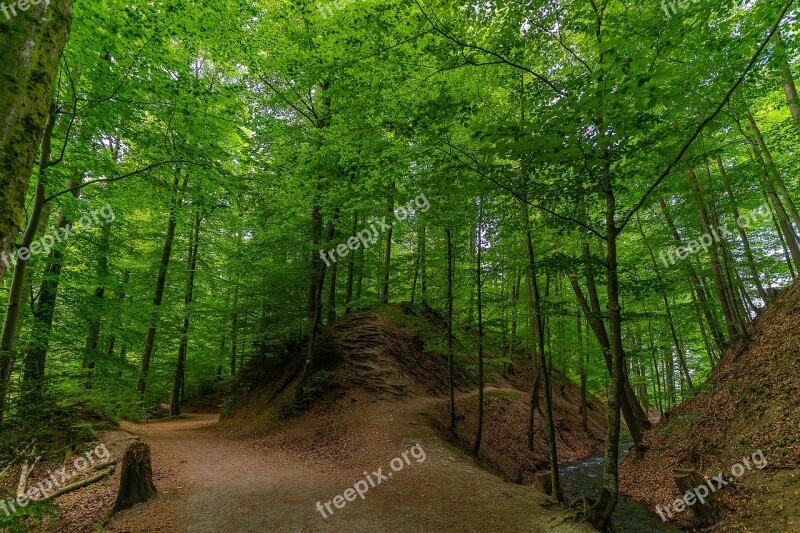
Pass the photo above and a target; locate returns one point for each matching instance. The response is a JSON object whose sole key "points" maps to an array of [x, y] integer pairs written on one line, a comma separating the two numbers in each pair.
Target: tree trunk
{"points": [[234, 329], [351, 266], [450, 362], [30, 50], [789, 87], [728, 310], [716, 331], [478, 240], [670, 321], [161, 282], [8, 338], [43, 313], [96, 314], [584, 358], [773, 168], [748, 251], [179, 379], [120, 296], [300, 399], [387, 259]]}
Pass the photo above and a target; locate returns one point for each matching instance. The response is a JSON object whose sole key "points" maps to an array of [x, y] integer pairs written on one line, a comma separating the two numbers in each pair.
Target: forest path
{"points": [[209, 481]]}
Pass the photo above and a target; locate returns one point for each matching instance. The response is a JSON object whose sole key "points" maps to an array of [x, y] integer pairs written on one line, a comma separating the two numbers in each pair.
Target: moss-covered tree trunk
{"points": [[31, 44]]}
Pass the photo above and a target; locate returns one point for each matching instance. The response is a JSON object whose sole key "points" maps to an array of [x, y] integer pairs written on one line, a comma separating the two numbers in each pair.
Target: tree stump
{"points": [[706, 512], [136, 479], [543, 481]]}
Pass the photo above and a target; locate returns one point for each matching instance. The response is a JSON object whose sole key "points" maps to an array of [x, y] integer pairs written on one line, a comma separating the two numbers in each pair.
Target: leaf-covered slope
{"points": [[750, 403]]}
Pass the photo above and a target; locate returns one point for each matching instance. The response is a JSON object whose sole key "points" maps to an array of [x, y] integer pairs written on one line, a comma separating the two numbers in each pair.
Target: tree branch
{"points": [[128, 175], [708, 120]]}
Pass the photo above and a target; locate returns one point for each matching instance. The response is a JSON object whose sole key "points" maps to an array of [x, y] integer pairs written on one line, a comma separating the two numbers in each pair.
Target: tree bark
{"points": [[161, 282], [716, 331], [728, 310], [773, 168], [748, 251], [96, 314], [387, 259], [179, 379], [477, 242], [450, 362], [43, 312], [30, 50], [8, 338], [136, 478], [351, 267], [789, 87]]}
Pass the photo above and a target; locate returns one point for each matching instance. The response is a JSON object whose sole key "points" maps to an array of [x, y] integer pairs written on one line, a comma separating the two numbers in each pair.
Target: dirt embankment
{"points": [[750, 404], [397, 355]]}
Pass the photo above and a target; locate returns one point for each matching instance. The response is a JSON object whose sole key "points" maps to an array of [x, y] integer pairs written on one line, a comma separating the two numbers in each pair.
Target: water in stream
{"points": [[585, 478]]}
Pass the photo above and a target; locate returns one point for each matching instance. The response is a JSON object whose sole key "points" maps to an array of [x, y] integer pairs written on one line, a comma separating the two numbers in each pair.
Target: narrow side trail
{"points": [[211, 481]]}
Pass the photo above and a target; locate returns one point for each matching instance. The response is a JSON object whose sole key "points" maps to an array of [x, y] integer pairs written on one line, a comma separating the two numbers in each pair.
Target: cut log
{"points": [[706, 512], [136, 479]]}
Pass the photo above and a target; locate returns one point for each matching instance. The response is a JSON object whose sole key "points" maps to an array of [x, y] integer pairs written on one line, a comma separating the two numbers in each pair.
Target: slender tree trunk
{"points": [[584, 378], [351, 266], [478, 237], [728, 310], [606, 503], [234, 329], [180, 366], [305, 374], [331, 305], [789, 87], [773, 168], [657, 385], [716, 331], [748, 251], [450, 362], [632, 420], [670, 321], [515, 292], [96, 314], [43, 313], [424, 266], [387, 259], [784, 223], [30, 50], [161, 282], [8, 338], [120, 296], [416, 270]]}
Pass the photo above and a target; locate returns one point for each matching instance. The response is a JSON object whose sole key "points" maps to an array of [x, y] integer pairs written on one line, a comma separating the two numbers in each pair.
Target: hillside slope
{"points": [[392, 360], [749, 404]]}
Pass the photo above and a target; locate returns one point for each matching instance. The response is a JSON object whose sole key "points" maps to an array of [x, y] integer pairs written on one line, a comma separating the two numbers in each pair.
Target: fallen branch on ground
{"points": [[80, 484]]}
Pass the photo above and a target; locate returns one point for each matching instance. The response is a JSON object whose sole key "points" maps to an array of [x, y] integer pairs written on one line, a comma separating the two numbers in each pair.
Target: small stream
{"points": [[585, 478]]}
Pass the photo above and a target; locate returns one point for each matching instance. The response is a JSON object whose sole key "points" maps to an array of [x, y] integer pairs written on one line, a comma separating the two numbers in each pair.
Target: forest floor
{"points": [[265, 469], [749, 405], [209, 480]]}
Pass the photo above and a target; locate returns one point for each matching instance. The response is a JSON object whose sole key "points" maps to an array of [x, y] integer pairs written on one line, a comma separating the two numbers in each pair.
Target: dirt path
{"points": [[209, 481]]}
